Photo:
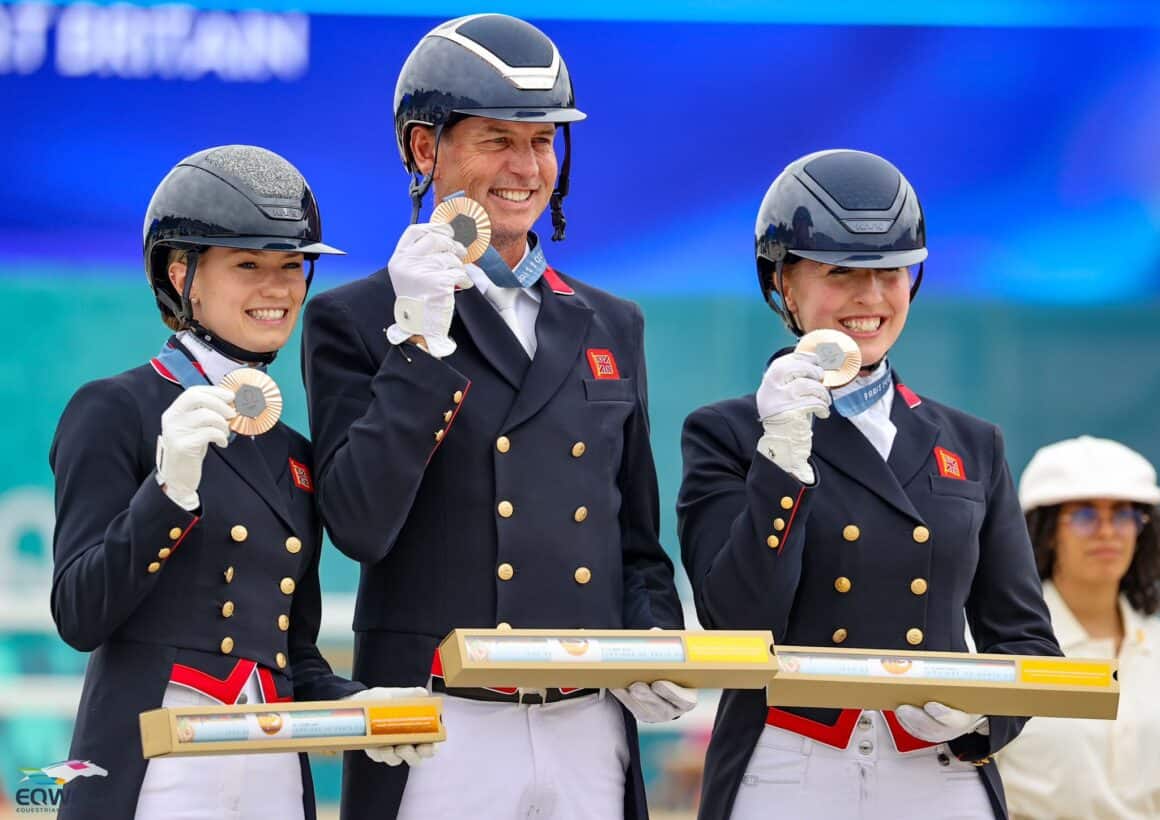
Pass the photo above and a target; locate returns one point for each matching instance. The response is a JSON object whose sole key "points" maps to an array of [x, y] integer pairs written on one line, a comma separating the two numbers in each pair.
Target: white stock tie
{"points": [[504, 300]]}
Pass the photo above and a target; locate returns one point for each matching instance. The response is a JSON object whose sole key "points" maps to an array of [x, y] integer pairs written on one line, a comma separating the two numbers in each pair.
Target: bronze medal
{"points": [[257, 400], [469, 221], [836, 352]]}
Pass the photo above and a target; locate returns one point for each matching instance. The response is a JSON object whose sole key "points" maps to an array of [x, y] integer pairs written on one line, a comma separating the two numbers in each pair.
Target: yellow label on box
{"points": [[711, 648], [400, 720], [1064, 672]]}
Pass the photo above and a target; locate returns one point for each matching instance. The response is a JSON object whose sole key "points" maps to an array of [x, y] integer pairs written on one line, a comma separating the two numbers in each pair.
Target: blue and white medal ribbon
{"points": [[864, 396], [180, 366]]}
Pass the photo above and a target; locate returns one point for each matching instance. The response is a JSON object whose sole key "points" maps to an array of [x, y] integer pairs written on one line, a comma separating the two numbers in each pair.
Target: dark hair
{"points": [[1140, 584]]}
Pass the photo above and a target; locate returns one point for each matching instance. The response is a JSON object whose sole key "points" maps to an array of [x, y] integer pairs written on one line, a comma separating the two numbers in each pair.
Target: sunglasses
{"points": [[1085, 520]]}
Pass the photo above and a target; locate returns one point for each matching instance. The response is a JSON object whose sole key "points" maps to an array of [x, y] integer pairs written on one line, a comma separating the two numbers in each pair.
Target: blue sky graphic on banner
{"points": [[1032, 145]]}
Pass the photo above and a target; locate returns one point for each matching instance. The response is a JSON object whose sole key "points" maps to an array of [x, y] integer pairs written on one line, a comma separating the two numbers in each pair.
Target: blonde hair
{"points": [[175, 255]]}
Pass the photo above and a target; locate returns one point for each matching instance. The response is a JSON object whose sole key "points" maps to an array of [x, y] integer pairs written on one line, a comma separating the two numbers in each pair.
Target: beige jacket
{"points": [[1061, 768]]}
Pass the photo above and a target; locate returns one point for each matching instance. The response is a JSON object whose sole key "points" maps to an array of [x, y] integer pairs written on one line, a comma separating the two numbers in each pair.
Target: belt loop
{"points": [[525, 691]]}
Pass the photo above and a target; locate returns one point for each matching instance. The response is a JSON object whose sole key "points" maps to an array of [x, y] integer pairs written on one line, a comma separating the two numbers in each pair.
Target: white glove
{"points": [[937, 723], [407, 753], [658, 702], [198, 417], [790, 395], [425, 270]]}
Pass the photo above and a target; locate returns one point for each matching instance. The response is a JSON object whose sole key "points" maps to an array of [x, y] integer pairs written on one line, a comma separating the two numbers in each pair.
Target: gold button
{"points": [[239, 533], [582, 575], [164, 553], [578, 449], [280, 659], [505, 509], [229, 575], [447, 416], [772, 542], [153, 567], [921, 534], [918, 586], [287, 586], [175, 533], [786, 502], [842, 584], [283, 622], [503, 444], [293, 545], [505, 572], [438, 435], [851, 532], [228, 609], [914, 636], [580, 514], [839, 635], [504, 626], [779, 524], [457, 396], [227, 645]]}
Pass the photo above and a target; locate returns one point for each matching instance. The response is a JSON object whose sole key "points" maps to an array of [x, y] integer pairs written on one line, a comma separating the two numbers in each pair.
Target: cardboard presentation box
{"points": [[614, 658], [1018, 685], [308, 726]]}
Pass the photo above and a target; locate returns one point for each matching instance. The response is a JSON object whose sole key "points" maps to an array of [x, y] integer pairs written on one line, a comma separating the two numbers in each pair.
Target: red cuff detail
{"points": [[447, 427], [789, 525], [173, 547]]}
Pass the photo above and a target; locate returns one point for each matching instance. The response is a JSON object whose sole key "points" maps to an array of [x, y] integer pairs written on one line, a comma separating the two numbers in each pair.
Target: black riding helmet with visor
{"points": [[232, 196], [844, 208], [484, 65]]}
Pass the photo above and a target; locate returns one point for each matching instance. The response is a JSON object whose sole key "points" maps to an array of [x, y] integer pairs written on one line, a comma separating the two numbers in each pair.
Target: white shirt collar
{"points": [[215, 363], [483, 284]]}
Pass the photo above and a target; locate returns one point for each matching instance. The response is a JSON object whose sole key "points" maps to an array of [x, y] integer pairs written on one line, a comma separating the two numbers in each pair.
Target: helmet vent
{"points": [[855, 184], [526, 48], [261, 172]]}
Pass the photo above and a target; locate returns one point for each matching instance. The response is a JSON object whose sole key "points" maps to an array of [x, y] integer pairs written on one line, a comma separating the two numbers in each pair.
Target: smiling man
{"points": [[482, 432]]}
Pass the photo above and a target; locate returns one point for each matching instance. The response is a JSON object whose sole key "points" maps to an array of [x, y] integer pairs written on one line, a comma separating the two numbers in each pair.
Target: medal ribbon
{"points": [[180, 366], [526, 273], [864, 397]]}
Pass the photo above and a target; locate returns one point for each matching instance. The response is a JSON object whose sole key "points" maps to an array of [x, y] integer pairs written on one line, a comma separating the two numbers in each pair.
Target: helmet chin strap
{"points": [[783, 309], [229, 349], [184, 314], [421, 182], [559, 223]]}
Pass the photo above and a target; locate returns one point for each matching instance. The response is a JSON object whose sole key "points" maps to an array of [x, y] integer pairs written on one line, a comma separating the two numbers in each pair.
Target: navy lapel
{"points": [[844, 447], [480, 323], [561, 328], [914, 443], [257, 467], [245, 457]]}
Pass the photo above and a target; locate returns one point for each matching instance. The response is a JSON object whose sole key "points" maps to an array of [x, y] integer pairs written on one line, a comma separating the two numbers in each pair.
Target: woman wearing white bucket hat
{"points": [[1091, 510]]}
